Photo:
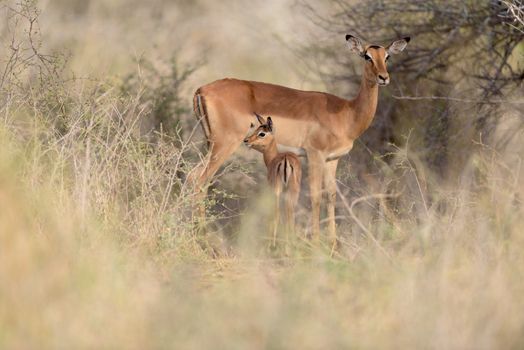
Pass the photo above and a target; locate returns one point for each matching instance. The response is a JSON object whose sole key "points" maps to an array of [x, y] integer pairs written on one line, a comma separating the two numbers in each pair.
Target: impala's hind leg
{"points": [[290, 213], [224, 133], [218, 153], [291, 200], [276, 220]]}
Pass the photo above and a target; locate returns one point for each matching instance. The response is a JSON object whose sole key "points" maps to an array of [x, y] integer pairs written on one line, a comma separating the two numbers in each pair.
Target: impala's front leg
{"points": [[330, 184], [315, 169]]}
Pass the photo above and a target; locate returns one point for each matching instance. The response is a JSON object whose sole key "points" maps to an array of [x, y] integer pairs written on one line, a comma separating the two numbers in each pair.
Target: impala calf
{"points": [[283, 171]]}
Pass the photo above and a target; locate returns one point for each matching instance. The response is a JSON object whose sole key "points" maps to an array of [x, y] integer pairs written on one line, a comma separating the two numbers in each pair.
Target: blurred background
{"points": [[234, 38], [97, 245]]}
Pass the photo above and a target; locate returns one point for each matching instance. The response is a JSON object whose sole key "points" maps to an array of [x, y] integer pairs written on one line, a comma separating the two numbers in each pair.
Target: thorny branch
{"points": [[24, 46], [460, 52], [515, 13]]}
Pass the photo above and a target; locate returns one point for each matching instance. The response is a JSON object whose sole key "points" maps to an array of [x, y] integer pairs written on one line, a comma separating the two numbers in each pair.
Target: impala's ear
{"points": [[355, 44], [398, 45], [269, 124], [260, 119]]}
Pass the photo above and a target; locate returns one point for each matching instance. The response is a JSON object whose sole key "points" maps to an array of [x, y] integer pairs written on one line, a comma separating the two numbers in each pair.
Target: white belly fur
{"points": [[339, 153], [299, 151], [336, 155]]}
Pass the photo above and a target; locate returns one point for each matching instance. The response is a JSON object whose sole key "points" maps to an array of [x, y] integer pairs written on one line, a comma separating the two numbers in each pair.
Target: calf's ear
{"points": [[269, 124]]}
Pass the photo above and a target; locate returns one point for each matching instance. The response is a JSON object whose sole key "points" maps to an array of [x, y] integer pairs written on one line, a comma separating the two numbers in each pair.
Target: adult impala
{"points": [[316, 124]]}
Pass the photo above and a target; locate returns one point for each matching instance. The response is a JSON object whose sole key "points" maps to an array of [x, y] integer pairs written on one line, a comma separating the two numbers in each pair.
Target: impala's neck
{"points": [[365, 104], [270, 152]]}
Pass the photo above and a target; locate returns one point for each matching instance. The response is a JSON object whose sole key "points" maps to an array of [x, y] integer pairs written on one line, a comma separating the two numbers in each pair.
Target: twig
{"points": [[360, 224], [417, 98], [414, 171], [516, 9]]}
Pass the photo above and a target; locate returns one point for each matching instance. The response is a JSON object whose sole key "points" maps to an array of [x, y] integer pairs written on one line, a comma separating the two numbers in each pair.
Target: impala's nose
{"points": [[383, 79], [246, 140]]}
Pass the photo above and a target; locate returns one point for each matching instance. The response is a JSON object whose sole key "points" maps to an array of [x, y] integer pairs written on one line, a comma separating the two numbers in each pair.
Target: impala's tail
{"points": [[199, 107], [287, 171]]}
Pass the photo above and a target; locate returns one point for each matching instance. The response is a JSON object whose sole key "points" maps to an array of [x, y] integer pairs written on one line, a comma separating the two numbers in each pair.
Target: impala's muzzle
{"points": [[383, 80]]}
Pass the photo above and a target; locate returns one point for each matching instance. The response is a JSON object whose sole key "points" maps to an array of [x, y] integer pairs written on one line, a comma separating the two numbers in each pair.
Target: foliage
{"points": [[463, 64], [97, 251], [159, 95]]}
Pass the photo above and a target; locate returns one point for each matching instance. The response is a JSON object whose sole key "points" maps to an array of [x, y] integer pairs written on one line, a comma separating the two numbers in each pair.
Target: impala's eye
{"points": [[261, 134], [387, 58], [367, 57]]}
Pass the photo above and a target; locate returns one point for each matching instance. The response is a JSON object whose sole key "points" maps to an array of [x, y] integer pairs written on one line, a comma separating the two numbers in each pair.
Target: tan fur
{"points": [[323, 125], [284, 172]]}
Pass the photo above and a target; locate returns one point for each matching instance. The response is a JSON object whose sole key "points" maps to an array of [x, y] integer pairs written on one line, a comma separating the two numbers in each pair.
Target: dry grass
{"points": [[97, 251]]}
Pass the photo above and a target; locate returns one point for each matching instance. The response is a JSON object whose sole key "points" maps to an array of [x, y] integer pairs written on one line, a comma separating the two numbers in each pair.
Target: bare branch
{"points": [[456, 99], [516, 13]]}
